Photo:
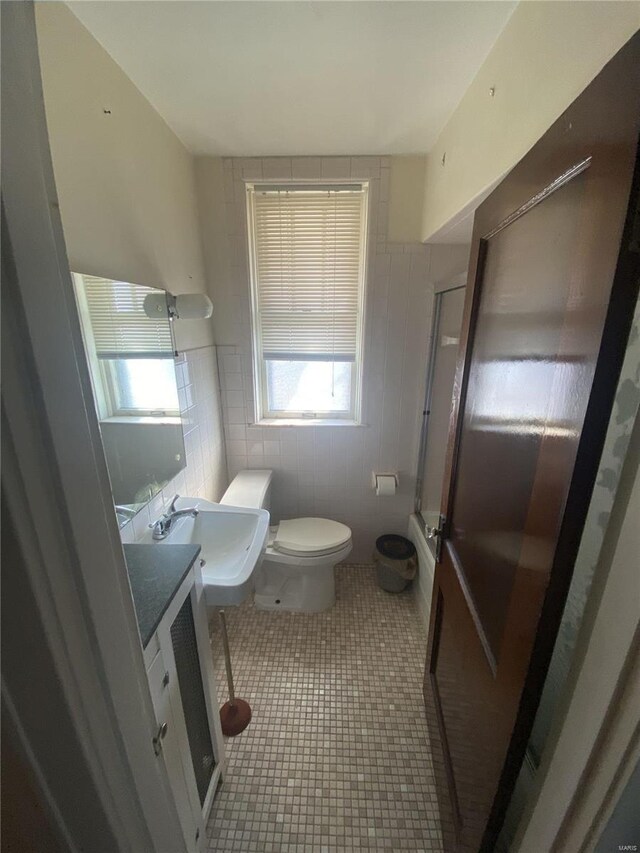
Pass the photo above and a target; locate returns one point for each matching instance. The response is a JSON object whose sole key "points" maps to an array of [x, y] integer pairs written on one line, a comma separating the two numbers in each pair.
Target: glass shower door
{"points": [[445, 336]]}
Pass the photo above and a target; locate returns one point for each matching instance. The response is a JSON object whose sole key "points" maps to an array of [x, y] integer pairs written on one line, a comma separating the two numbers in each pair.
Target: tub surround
{"points": [[155, 575], [423, 583]]}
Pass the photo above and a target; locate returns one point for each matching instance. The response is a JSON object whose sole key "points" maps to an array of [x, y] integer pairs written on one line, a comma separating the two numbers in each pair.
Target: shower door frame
{"points": [[431, 536]]}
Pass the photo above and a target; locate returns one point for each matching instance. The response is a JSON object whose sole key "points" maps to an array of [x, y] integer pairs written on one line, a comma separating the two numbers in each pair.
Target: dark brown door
{"points": [[552, 284]]}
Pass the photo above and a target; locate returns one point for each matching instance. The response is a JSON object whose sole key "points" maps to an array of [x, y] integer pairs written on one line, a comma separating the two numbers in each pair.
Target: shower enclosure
{"points": [[445, 335]]}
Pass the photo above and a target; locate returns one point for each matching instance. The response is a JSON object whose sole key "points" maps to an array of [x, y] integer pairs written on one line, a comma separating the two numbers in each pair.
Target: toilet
{"points": [[296, 573]]}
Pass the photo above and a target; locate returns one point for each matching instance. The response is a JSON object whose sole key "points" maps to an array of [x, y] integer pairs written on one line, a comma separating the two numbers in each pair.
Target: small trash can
{"points": [[396, 563]]}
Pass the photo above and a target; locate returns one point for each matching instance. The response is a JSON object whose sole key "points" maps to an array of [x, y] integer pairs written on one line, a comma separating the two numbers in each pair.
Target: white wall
{"points": [[545, 56], [125, 182], [126, 188], [406, 197], [321, 470]]}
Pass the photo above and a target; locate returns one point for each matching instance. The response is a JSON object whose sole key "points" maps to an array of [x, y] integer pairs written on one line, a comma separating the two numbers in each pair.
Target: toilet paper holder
{"points": [[381, 480]]}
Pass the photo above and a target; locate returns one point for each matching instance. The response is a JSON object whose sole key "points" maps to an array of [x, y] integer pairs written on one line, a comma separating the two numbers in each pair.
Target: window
{"points": [[141, 386], [307, 248], [130, 354]]}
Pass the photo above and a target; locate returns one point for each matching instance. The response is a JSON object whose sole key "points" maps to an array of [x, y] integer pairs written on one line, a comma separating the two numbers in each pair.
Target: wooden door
{"points": [[552, 284]]}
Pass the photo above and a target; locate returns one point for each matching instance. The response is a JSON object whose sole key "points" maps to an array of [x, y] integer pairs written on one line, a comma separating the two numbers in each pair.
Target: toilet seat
{"points": [[310, 537]]}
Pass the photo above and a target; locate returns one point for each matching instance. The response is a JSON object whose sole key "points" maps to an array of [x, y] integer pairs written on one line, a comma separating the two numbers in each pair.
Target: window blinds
{"points": [[120, 326], [308, 255]]}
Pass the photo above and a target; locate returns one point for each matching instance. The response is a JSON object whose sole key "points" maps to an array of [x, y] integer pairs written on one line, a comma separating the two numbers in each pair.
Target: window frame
{"points": [[112, 395], [101, 372], [263, 415]]}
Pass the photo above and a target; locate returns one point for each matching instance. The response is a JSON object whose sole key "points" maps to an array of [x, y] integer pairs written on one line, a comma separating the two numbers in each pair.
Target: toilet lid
{"points": [[310, 536]]}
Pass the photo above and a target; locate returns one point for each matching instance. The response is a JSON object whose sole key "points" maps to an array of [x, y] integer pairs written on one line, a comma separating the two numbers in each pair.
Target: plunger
{"points": [[235, 715]]}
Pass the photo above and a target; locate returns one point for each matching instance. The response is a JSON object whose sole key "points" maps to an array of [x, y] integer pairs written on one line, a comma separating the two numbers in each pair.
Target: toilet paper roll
{"points": [[385, 484]]}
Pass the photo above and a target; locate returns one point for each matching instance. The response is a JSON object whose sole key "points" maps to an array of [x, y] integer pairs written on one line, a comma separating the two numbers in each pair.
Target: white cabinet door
{"points": [[170, 748], [196, 672], [182, 738]]}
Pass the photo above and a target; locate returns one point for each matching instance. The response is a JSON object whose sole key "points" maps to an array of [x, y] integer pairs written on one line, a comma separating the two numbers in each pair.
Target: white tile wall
{"points": [[325, 470], [205, 475]]}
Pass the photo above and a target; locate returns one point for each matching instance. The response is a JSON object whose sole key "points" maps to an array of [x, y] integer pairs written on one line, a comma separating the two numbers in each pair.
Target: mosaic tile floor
{"points": [[336, 757]]}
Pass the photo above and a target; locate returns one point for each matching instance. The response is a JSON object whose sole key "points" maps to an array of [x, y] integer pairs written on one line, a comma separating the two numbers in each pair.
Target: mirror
{"points": [[131, 356]]}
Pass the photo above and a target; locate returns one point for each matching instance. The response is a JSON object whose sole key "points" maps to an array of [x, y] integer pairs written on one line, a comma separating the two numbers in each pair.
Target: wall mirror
{"points": [[130, 349]]}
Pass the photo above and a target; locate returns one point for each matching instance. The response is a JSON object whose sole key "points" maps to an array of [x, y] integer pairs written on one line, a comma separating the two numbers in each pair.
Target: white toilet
{"points": [[297, 570]]}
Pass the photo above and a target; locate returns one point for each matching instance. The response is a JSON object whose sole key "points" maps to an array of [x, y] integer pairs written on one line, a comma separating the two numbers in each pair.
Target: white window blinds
{"points": [[120, 326], [308, 258]]}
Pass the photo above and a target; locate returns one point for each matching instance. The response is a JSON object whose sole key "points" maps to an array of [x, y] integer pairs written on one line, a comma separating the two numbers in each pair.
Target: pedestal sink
{"points": [[233, 541]]}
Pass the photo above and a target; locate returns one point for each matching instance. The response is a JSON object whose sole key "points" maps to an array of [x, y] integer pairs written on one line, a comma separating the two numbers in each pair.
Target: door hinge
{"points": [[157, 740]]}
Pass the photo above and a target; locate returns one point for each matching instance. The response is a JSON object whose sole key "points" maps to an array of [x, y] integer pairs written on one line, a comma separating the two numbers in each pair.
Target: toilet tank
{"points": [[251, 489]]}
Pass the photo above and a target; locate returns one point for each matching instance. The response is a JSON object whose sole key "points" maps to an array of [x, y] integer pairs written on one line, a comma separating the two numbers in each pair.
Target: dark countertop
{"points": [[155, 573]]}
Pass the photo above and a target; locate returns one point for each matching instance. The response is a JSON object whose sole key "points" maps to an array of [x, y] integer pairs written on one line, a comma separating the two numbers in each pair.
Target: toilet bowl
{"points": [[296, 573]]}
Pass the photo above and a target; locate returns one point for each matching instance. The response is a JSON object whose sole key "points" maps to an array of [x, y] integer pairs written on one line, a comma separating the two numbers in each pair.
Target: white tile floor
{"points": [[337, 755]]}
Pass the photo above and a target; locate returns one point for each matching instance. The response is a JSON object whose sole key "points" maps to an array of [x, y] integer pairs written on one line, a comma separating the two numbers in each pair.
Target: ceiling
{"points": [[299, 78]]}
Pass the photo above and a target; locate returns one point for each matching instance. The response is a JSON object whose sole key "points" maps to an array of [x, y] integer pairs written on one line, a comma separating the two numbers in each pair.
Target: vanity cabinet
{"points": [[179, 666]]}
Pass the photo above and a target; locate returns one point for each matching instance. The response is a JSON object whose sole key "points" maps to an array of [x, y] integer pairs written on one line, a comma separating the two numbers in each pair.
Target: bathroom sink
{"points": [[233, 541]]}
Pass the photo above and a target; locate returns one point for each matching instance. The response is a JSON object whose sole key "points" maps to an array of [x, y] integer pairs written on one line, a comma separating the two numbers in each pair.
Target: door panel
{"points": [[553, 278], [535, 339]]}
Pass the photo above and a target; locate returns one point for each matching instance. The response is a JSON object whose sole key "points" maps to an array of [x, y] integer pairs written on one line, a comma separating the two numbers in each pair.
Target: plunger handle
{"points": [[227, 656]]}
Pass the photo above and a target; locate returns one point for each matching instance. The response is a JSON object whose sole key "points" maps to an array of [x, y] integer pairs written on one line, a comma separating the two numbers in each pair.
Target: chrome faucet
{"points": [[162, 527]]}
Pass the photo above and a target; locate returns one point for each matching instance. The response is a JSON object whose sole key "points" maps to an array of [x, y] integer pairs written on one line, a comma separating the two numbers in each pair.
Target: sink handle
{"points": [[172, 505]]}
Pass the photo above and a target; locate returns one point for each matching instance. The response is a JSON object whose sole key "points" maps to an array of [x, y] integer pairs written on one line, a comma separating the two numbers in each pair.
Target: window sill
{"points": [[288, 422], [141, 419]]}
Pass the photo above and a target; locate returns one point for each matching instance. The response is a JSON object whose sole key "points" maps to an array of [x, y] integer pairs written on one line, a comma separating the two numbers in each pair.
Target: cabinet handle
{"points": [[157, 741]]}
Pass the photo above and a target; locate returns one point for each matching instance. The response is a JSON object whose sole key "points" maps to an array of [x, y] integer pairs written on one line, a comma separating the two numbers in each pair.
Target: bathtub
{"points": [[423, 583]]}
